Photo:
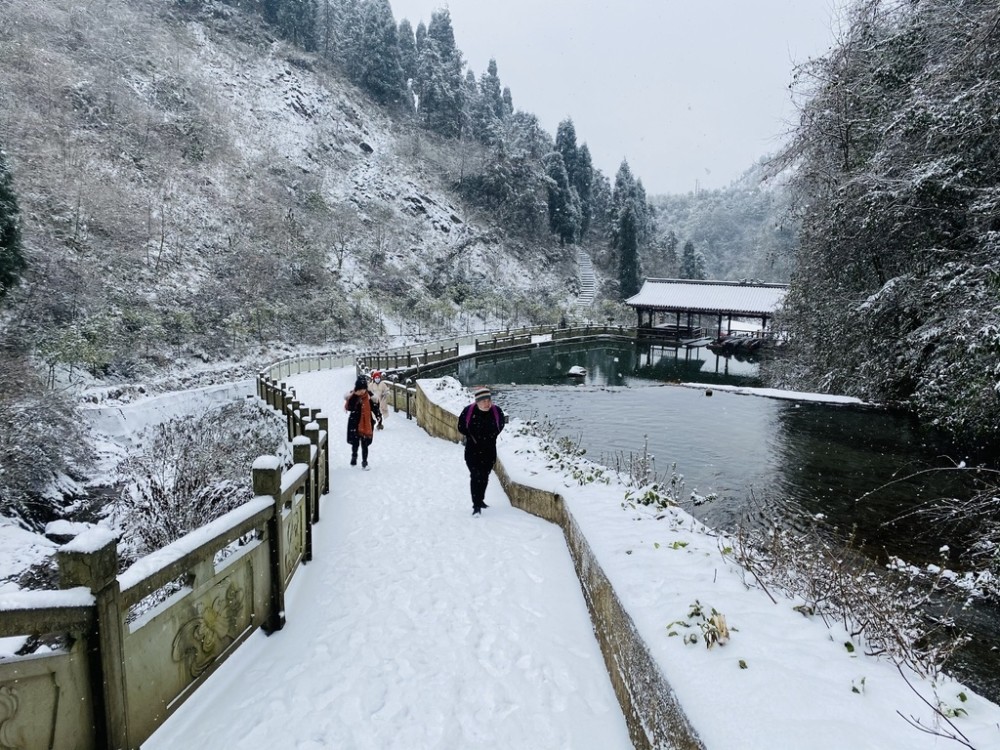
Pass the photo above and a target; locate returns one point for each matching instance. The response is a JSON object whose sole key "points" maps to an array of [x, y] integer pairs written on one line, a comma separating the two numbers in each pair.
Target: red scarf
{"points": [[365, 425]]}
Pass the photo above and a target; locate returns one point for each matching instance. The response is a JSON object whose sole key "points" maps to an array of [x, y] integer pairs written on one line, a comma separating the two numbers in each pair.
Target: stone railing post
{"points": [[316, 470], [324, 426], [293, 418], [267, 482], [91, 560], [302, 454]]}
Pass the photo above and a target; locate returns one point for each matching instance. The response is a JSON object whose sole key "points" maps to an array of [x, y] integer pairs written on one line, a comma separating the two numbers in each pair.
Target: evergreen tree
{"points": [[295, 20], [381, 72], [471, 105], [600, 205], [442, 33], [491, 91], [407, 49], [440, 83], [564, 206], [511, 182], [583, 181], [628, 211], [692, 263], [580, 170], [566, 146], [896, 183], [349, 34], [487, 108], [628, 251], [12, 261], [508, 101], [670, 250], [420, 38]]}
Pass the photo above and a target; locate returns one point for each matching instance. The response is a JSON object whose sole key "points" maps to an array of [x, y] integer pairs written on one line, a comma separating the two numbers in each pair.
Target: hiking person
{"points": [[379, 390], [481, 423], [363, 414]]}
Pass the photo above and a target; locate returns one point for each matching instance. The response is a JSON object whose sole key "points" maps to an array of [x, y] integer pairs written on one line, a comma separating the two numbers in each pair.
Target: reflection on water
{"points": [[606, 363], [781, 458], [794, 457]]}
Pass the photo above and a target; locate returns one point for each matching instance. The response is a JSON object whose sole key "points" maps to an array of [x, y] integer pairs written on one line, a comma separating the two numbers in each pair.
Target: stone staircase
{"points": [[588, 282]]}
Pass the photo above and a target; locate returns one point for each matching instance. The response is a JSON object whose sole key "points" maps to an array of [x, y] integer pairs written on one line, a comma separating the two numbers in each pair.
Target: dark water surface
{"points": [[761, 457]]}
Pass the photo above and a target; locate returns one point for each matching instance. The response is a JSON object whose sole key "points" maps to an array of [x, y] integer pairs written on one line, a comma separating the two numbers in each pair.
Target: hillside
{"points": [[191, 186]]}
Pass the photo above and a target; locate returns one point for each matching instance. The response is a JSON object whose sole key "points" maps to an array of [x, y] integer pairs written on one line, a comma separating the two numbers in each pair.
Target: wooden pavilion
{"points": [[674, 309]]}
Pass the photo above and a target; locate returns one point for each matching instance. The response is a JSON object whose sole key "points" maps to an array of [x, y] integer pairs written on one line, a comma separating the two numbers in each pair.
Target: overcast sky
{"points": [[691, 92]]}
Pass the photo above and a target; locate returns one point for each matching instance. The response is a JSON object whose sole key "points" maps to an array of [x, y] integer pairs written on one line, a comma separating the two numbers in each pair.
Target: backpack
{"points": [[493, 408]]}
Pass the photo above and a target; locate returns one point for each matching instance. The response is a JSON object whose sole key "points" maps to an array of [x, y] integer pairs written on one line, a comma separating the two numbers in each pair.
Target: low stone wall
{"points": [[436, 420], [655, 718]]}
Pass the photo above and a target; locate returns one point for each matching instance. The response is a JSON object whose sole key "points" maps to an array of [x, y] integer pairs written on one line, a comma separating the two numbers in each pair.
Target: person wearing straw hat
{"points": [[480, 423]]}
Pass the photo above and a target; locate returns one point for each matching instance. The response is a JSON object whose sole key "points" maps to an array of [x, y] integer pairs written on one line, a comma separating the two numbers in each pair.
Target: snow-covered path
{"points": [[415, 625]]}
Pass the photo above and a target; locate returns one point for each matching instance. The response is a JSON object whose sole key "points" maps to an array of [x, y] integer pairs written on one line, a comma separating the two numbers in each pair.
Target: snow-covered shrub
{"points": [[41, 440], [191, 471], [884, 612]]}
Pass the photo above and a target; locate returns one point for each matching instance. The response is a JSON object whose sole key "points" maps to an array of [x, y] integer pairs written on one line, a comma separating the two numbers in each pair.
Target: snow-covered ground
{"points": [[419, 626], [415, 625]]}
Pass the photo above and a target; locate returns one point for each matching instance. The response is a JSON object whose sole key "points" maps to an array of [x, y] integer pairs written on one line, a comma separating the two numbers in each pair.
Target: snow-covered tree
{"points": [[564, 205], [381, 70], [294, 19], [12, 260], [579, 170], [583, 180], [627, 223], [692, 264], [407, 49], [899, 189], [492, 92], [439, 82]]}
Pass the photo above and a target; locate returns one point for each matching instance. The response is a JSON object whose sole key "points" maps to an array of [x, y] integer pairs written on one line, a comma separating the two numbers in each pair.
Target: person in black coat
{"points": [[481, 423], [363, 414]]}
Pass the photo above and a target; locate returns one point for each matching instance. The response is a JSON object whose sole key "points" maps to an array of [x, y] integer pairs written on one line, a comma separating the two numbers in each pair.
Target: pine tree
{"points": [[564, 206], [692, 263], [670, 250], [295, 20], [348, 46], [487, 109], [407, 49], [566, 146], [628, 215], [12, 261], [440, 83], [491, 91], [420, 37], [628, 252], [381, 71], [442, 33], [580, 170]]}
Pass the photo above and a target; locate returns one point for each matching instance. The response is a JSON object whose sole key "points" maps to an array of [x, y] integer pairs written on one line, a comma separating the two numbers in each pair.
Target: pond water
{"points": [[759, 457]]}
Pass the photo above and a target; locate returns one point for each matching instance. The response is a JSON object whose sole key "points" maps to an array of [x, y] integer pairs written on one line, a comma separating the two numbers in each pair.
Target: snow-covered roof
{"points": [[687, 295]]}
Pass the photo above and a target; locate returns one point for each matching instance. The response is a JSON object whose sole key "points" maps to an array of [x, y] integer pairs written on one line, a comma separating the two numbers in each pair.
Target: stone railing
{"points": [[139, 643], [133, 646]]}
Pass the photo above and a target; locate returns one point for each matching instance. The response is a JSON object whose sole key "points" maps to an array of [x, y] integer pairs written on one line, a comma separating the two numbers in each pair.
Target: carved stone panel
{"points": [[44, 703], [294, 527], [168, 655]]}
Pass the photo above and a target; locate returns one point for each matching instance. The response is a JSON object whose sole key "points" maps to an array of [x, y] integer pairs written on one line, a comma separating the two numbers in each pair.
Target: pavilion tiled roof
{"points": [[709, 297]]}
